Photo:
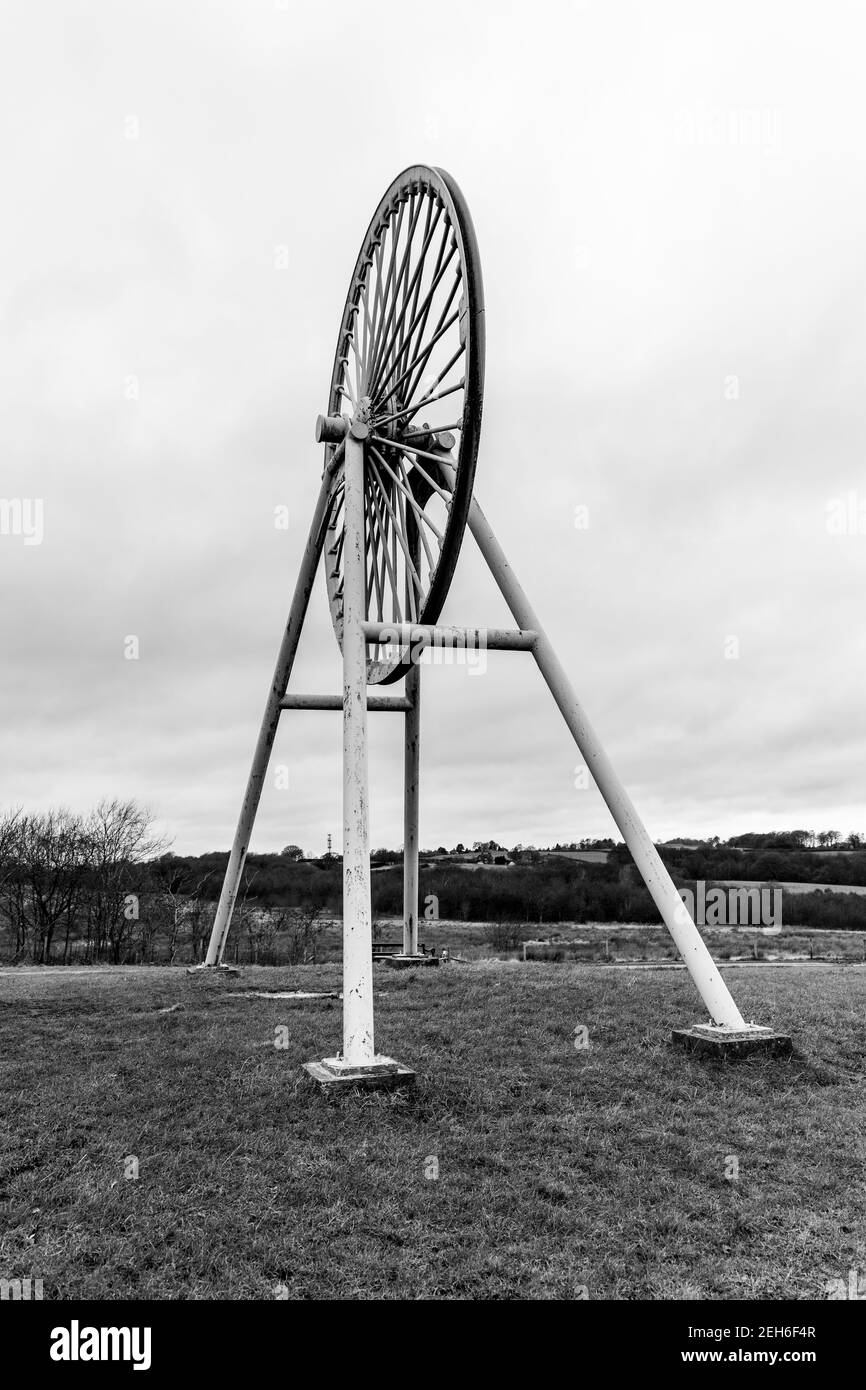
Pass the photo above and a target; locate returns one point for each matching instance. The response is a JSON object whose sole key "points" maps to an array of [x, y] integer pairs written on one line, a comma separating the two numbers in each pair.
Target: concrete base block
{"points": [[384, 1074], [705, 1039], [406, 962]]}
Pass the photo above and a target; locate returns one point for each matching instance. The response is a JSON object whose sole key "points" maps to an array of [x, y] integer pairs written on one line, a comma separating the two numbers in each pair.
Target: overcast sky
{"points": [[671, 214]]}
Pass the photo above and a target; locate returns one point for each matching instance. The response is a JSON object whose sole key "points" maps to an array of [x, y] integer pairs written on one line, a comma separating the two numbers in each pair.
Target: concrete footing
{"points": [[705, 1039], [406, 962], [384, 1074]]}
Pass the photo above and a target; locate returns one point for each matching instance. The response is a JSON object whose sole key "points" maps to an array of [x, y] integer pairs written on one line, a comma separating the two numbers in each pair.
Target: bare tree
{"points": [[198, 915], [119, 837], [303, 927], [148, 925], [175, 902], [260, 926], [10, 844], [45, 885]]}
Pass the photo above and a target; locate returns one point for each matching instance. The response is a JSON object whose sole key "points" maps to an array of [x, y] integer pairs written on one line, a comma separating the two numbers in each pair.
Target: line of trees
{"points": [[103, 887], [796, 839], [67, 878], [767, 864], [88, 888]]}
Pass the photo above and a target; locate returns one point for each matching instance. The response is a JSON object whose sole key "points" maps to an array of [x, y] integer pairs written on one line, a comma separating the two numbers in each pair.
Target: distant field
{"points": [[620, 945], [559, 1171], [584, 856], [617, 942]]}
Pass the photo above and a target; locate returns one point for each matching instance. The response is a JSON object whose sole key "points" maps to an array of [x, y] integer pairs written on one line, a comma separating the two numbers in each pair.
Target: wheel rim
{"points": [[410, 366]]}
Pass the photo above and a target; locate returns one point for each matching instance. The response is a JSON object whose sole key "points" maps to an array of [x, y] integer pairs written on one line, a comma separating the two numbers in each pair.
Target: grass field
{"points": [[611, 941], [559, 1170], [624, 943]]}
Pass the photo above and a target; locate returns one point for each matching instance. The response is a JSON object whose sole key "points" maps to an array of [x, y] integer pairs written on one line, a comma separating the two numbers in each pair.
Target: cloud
{"points": [[671, 221]]}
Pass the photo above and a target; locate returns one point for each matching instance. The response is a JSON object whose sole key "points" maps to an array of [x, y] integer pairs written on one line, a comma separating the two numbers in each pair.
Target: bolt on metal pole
{"points": [[411, 802], [710, 985], [358, 1046], [270, 721]]}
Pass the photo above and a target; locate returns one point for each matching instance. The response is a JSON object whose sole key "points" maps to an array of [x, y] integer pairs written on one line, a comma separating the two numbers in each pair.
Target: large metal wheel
{"points": [[409, 372]]}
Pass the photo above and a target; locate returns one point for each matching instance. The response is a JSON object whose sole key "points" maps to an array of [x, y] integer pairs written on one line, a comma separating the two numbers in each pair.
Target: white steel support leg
{"points": [[411, 794], [270, 721], [358, 1046], [710, 985]]}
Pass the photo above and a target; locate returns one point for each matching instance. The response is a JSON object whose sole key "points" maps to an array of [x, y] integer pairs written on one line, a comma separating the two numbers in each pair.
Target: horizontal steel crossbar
{"points": [[394, 704]]}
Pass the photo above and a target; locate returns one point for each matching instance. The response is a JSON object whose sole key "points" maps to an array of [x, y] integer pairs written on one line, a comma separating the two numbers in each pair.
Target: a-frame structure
{"points": [[394, 501]]}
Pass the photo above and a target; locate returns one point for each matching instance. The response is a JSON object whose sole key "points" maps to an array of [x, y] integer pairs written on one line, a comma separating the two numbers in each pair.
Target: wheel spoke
{"points": [[389, 279], [420, 512], [421, 532], [382, 351], [395, 292], [378, 298], [412, 603], [354, 347], [401, 505], [381, 420], [438, 331], [369, 547], [446, 369], [421, 362], [410, 448], [380, 384], [365, 304], [374, 568], [400, 326], [403, 338], [387, 557], [416, 285], [446, 496], [420, 319], [397, 532], [432, 429]]}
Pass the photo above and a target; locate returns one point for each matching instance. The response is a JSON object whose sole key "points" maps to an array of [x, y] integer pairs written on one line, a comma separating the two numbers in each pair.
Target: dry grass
{"points": [[558, 1169]]}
